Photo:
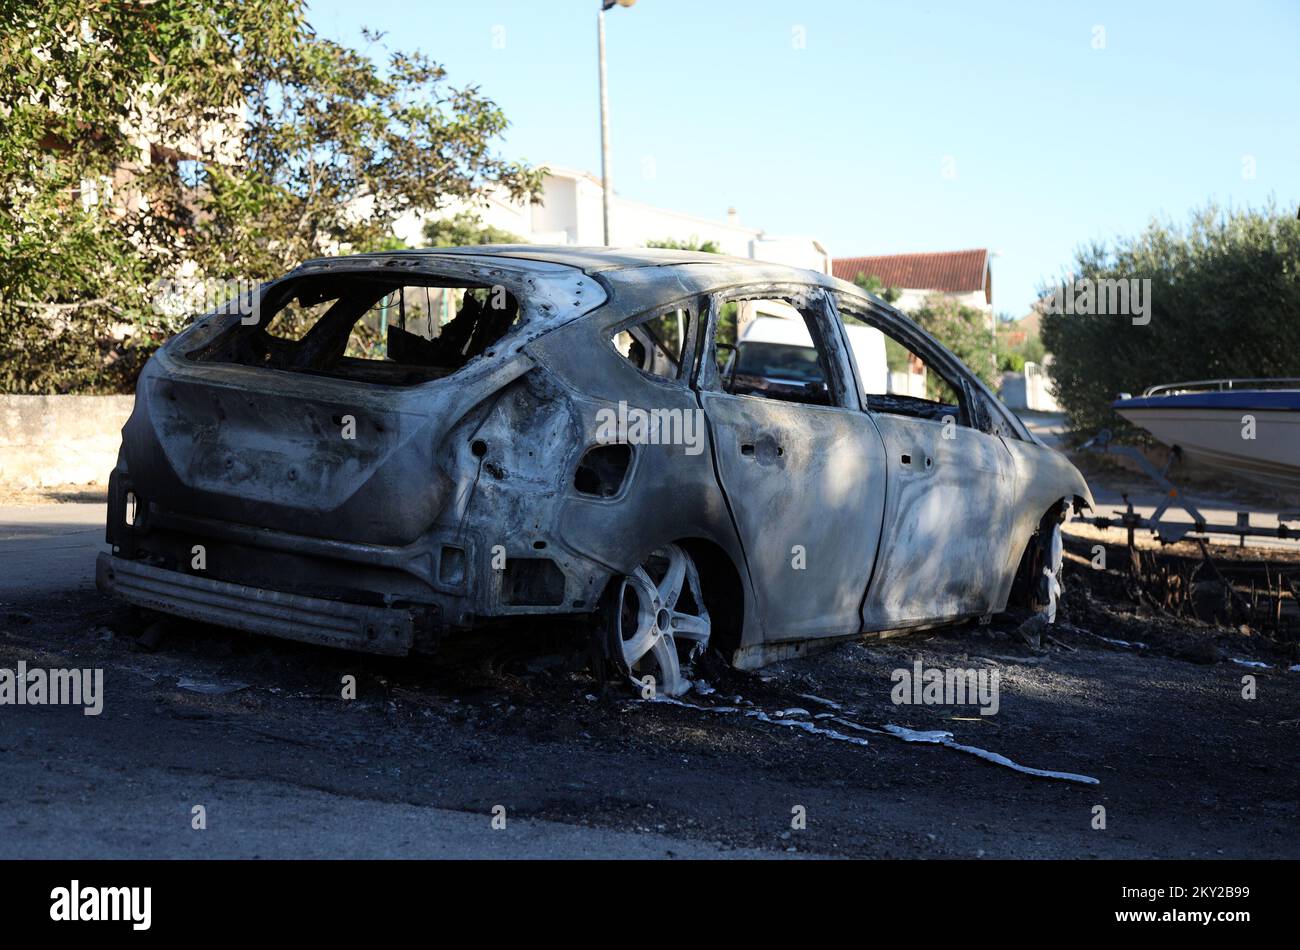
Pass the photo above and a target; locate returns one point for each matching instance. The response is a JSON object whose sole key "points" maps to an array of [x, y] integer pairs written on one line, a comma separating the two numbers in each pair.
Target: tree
{"points": [[963, 330], [1223, 301], [693, 243], [1019, 343], [464, 230], [87, 88], [876, 287], [214, 138]]}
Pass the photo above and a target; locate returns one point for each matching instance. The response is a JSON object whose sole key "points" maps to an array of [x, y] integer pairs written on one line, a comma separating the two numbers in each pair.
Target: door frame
{"points": [[974, 413], [815, 302]]}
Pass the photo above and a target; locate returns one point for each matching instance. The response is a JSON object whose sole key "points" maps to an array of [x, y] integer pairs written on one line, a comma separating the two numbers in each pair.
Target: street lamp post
{"points": [[606, 172]]}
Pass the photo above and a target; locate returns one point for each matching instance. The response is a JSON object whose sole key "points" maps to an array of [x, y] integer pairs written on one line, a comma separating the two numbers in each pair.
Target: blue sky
{"points": [[1048, 141]]}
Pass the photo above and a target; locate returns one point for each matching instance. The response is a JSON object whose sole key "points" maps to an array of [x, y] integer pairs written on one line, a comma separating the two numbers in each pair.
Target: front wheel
{"points": [[1049, 581]]}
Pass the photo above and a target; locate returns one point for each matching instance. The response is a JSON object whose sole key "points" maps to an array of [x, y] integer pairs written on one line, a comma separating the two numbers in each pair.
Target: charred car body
{"points": [[389, 448]]}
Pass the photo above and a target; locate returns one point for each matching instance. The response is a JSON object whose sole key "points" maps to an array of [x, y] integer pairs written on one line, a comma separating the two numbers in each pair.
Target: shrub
{"points": [[1224, 302]]}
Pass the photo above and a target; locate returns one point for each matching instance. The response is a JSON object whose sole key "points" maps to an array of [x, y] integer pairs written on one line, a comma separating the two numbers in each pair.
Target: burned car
{"points": [[684, 449]]}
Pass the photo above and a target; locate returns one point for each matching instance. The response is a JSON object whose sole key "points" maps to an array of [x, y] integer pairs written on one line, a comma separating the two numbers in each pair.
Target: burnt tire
{"points": [[1037, 587]]}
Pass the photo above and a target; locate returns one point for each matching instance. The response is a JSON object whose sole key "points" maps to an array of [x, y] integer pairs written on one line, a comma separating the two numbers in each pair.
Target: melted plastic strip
{"points": [[801, 724], [939, 737], [828, 703], [932, 737], [1134, 645]]}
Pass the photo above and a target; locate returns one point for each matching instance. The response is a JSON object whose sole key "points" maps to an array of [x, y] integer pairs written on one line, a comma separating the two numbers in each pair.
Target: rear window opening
{"points": [[372, 328]]}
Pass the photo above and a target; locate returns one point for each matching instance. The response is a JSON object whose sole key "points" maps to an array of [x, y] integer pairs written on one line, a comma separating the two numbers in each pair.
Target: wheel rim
{"points": [[659, 615]]}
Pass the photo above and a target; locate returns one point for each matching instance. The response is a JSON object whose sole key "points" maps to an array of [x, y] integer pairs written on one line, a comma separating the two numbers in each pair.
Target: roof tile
{"points": [[946, 271]]}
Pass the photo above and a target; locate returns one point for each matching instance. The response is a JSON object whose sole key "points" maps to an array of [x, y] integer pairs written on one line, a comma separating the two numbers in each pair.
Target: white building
{"points": [[570, 212]]}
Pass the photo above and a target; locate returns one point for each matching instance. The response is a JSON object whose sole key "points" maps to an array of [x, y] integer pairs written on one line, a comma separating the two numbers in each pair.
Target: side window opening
{"points": [[370, 328], [897, 380], [768, 347], [655, 345]]}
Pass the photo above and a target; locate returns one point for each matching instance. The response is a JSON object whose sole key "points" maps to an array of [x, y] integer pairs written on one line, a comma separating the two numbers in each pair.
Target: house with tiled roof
{"points": [[962, 275]]}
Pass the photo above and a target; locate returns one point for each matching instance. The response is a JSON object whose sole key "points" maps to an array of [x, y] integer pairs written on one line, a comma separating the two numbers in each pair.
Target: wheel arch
{"points": [[1024, 586], [723, 586]]}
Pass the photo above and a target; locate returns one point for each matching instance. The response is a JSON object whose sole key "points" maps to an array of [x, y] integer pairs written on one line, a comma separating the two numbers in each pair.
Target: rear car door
{"points": [[802, 468]]}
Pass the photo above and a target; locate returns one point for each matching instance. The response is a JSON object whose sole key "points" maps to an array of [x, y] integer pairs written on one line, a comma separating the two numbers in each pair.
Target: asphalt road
{"points": [[82, 809], [258, 733], [49, 547], [90, 812]]}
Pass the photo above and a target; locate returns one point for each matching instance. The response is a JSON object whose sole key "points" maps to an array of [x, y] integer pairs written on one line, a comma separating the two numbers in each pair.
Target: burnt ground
{"points": [[1187, 766]]}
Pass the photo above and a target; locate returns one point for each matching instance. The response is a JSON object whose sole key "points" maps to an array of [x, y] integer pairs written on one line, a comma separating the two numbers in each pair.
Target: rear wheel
{"points": [[655, 621]]}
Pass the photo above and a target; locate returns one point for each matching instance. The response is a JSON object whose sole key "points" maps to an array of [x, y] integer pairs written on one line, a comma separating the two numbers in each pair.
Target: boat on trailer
{"points": [[1249, 427]]}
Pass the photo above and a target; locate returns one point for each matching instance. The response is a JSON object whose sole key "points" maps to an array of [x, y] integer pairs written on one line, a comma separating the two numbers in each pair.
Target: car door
{"points": [[803, 473], [950, 496], [946, 521]]}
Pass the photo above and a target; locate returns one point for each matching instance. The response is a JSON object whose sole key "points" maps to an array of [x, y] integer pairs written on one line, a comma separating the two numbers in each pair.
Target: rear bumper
{"points": [[331, 623]]}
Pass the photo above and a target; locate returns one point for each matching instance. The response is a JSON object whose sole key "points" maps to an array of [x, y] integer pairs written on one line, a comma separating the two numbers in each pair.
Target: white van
{"points": [[780, 349]]}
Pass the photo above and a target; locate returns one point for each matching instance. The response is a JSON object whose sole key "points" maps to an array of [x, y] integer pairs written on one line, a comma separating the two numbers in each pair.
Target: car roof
{"points": [[610, 262], [584, 258], [590, 258]]}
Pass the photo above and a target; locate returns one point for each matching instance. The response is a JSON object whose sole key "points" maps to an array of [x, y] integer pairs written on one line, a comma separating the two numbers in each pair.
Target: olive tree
{"points": [[1223, 300]]}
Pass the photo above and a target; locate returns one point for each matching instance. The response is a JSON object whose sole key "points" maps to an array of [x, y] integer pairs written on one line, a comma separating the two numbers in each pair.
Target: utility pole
{"points": [[606, 171]]}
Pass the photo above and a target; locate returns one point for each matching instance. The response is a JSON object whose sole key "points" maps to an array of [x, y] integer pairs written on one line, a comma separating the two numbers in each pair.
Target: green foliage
{"points": [[728, 327], [216, 138], [389, 242], [1018, 344], [691, 244], [1010, 361], [1032, 350], [1224, 302], [897, 356], [876, 287], [962, 329], [464, 230]]}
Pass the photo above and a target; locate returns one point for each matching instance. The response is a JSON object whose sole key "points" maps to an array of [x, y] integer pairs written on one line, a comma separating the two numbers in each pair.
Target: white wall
{"points": [[571, 213], [1029, 389], [1039, 394], [60, 440], [912, 299]]}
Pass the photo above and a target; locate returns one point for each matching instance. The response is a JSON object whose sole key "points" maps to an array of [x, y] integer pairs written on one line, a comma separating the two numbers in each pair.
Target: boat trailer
{"points": [[1169, 532]]}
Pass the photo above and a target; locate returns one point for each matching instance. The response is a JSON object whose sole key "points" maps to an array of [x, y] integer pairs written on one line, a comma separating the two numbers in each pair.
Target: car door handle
{"points": [[771, 449]]}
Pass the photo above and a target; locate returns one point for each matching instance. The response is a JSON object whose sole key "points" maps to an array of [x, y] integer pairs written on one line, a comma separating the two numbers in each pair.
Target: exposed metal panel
{"points": [[948, 518], [291, 616], [807, 487]]}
